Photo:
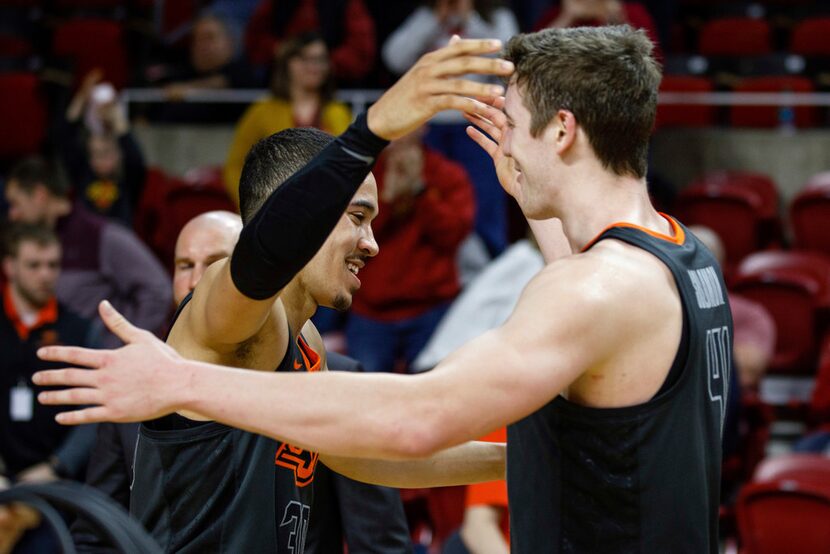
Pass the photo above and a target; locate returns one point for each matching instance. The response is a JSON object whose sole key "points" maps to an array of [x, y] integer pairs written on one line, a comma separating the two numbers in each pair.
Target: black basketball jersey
{"points": [[205, 487], [643, 478]]}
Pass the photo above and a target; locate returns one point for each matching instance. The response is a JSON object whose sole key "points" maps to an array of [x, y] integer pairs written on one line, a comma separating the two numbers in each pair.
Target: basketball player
{"points": [[614, 364], [201, 486]]}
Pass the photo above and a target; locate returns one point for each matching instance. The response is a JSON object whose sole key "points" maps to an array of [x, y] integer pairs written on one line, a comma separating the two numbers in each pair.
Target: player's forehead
{"points": [[514, 103], [367, 194]]}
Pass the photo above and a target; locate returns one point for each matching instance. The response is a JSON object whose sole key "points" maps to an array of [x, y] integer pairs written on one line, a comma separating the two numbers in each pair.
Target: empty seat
{"points": [[787, 507], [795, 288], [685, 115], [733, 213], [771, 116], [810, 215], [811, 37], [22, 115], [735, 36], [89, 43]]}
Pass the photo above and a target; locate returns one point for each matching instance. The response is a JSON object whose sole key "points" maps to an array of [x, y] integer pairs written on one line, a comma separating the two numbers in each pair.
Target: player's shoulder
{"points": [[609, 276]]}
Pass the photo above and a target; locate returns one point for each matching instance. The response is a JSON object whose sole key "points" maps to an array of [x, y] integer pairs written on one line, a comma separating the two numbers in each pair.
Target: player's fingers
{"points": [[69, 377], [453, 39], [481, 139], [465, 47], [74, 355], [461, 87], [485, 125], [119, 325], [463, 65], [70, 397], [96, 414]]}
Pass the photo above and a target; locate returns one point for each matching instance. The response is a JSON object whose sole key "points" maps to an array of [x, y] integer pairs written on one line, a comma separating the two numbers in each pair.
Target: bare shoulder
{"points": [[599, 293]]}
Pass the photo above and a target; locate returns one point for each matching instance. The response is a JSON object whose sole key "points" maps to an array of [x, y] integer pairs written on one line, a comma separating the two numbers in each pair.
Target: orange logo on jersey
{"points": [[302, 462], [297, 365]]}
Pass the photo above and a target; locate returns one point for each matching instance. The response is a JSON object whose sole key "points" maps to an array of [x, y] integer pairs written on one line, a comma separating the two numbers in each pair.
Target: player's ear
{"points": [[565, 128]]}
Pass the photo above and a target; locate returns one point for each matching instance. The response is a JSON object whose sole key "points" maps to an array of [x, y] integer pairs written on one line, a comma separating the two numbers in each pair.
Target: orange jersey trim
{"points": [[47, 314], [678, 238], [310, 357]]}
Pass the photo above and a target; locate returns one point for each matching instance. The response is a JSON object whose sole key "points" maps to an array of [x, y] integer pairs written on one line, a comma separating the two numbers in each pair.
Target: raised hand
{"points": [[431, 86], [120, 388], [490, 119]]}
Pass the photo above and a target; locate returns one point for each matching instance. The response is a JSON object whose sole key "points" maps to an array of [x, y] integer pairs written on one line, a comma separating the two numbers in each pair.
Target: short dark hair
{"points": [[280, 82], [274, 159], [18, 233], [36, 170], [606, 76]]}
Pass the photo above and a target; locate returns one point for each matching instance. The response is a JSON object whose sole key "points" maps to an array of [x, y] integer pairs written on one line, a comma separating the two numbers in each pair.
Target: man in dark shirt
{"points": [[33, 447]]}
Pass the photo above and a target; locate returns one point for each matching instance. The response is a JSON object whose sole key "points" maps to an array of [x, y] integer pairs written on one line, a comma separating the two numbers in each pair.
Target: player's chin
{"points": [[343, 301]]}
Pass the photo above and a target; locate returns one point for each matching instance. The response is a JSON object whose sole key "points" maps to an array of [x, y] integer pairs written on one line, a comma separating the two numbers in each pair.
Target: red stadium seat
{"points": [[168, 203], [759, 183], [732, 212], [807, 467], [769, 116], [735, 36], [811, 37], [685, 115], [22, 115], [795, 288], [788, 512], [787, 506], [810, 216], [819, 411], [91, 43]]}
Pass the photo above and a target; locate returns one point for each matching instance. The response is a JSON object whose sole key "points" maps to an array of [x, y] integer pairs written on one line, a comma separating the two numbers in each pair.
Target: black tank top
{"points": [[643, 478], [206, 487]]}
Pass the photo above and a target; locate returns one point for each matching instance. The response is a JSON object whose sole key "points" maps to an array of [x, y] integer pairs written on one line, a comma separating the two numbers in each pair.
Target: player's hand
{"points": [[491, 119], [136, 382], [431, 86]]}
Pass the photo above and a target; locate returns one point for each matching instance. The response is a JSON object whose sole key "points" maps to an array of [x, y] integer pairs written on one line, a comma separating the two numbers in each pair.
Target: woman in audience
{"points": [[302, 95]]}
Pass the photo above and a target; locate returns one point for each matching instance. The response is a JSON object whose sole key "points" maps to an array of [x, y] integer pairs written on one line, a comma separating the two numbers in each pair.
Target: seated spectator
{"points": [[212, 63], [433, 24], [104, 162], [426, 211], [429, 27], [302, 95], [101, 259], [579, 13], [33, 446], [345, 25]]}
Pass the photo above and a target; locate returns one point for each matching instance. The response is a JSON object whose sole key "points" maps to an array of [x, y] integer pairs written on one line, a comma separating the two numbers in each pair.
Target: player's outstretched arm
{"points": [[569, 319]]}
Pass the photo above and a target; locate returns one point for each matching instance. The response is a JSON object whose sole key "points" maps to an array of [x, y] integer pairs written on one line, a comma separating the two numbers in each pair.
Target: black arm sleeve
{"points": [[297, 218]]}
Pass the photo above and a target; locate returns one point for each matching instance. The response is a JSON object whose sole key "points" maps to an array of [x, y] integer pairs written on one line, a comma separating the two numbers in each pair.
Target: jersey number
{"points": [[296, 519], [718, 359]]}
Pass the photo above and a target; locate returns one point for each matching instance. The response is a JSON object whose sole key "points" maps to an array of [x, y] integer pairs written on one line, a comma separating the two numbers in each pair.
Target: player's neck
{"points": [[603, 200], [299, 305]]}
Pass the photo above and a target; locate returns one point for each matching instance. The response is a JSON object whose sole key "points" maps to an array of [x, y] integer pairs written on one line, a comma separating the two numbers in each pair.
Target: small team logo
{"points": [[298, 364], [301, 462]]}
